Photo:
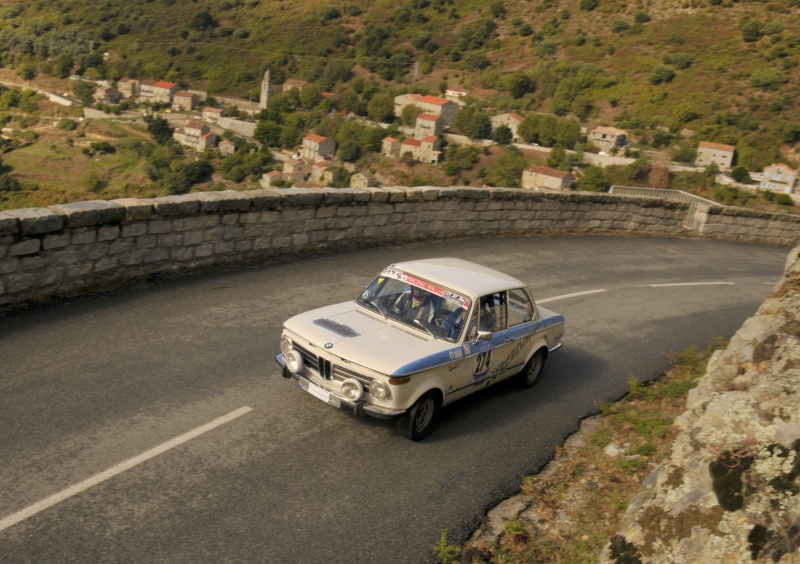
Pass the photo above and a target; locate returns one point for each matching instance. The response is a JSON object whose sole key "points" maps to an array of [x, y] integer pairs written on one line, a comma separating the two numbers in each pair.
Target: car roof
{"points": [[460, 275]]}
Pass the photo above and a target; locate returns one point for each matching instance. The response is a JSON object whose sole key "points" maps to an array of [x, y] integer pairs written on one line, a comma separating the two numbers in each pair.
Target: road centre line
{"points": [[75, 489], [692, 284], [565, 296]]}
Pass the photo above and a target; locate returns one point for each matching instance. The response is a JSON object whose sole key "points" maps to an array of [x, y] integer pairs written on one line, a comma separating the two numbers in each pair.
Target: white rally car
{"points": [[423, 334]]}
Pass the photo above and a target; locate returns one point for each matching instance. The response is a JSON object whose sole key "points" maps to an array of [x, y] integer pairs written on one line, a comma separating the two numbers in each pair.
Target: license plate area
{"points": [[320, 393]]}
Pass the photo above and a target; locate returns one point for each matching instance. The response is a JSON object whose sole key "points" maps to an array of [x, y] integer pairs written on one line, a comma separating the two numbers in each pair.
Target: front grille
{"points": [[340, 374]]}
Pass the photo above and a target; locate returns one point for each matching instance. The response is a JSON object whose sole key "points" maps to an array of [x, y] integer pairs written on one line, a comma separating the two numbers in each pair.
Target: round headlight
{"points": [[286, 344], [378, 390], [294, 362], [352, 389]]}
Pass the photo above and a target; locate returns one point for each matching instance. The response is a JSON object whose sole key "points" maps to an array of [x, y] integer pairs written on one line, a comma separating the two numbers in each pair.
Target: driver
{"points": [[415, 304]]}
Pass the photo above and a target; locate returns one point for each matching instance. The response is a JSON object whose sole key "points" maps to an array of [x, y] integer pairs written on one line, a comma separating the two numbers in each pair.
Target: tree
{"points": [[349, 151], [740, 174], [661, 73], [502, 135], [410, 113], [568, 132], [593, 180], [381, 107], [751, 31], [311, 96], [529, 128], [268, 132], [83, 91], [473, 123], [159, 128], [506, 171]]}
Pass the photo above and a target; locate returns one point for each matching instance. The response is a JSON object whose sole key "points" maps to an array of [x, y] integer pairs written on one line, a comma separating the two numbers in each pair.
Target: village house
{"points": [[128, 87], [195, 135], [321, 173], [106, 95], [779, 178], [184, 101], [163, 92], [293, 83], [716, 153], [363, 180], [390, 147], [511, 121], [428, 124], [212, 115], [543, 178], [607, 138], [226, 147], [442, 107], [426, 150], [317, 148], [147, 90]]}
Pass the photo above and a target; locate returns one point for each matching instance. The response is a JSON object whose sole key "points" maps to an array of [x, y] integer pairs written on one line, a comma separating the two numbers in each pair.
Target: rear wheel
{"points": [[420, 419], [533, 370]]}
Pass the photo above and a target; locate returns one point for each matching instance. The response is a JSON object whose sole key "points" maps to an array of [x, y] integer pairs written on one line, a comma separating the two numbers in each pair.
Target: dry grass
{"points": [[578, 501]]}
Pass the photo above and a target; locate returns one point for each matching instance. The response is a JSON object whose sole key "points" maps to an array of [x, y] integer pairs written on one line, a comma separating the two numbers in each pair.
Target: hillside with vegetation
{"points": [[670, 73]]}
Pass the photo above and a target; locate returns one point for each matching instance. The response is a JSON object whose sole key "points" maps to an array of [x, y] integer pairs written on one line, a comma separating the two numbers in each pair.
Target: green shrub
{"points": [[784, 200]]}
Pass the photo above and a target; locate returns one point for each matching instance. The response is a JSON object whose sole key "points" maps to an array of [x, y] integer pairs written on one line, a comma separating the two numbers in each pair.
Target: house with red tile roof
{"points": [[779, 178], [716, 153], [195, 135], [442, 107], [163, 92], [428, 124], [184, 101], [317, 148], [543, 178]]}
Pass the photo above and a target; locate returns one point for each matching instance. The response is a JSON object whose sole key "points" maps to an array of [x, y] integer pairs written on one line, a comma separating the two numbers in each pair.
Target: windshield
{"points": [[417, 303]]}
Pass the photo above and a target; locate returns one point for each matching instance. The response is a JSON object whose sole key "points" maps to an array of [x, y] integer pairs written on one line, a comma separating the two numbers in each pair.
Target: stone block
{"points": [[8, 225], [301, 197], [225, 201], [244, 246], [25, 247], [106, 263], [193, 238], [34, 221], [265, 199], [8, 265], [169, 240], [19, 283], [136, 209], [94, 252], [223, 247], [94, 212], [159, 226], [120, 246], [28, 264], [146, 241], [181, 254], [55, 241], [155, 255], [134, 229], [83, 237], [108, 232], [205, 250], [80, 269], [186, 204]]}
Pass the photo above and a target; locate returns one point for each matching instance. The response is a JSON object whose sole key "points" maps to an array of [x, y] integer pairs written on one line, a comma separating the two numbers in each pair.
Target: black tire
{"points": [[418, 422], [533, 370]]}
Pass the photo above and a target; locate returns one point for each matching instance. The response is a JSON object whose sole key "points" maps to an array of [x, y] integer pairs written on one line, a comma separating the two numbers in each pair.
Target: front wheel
{"points": [[420, 419], [532, 371]]}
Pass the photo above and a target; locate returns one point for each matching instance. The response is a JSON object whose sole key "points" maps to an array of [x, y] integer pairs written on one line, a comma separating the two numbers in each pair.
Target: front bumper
{"points": [[332, 398]]}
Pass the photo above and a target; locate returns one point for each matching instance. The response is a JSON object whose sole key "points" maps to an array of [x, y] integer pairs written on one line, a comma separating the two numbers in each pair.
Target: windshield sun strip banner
{"points": [[456, 298]]}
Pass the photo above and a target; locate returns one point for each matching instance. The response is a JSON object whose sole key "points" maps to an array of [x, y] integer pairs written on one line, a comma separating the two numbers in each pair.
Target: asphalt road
{"points": [[89, 387]]}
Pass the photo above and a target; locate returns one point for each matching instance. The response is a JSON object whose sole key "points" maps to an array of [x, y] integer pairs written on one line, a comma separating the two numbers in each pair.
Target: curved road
{"points": [[113, 448]]}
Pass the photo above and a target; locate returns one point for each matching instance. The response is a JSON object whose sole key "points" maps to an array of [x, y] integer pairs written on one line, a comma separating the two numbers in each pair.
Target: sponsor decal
{"points": [[456, 353], [461, 301], [452, 367], [512, 354], [482, 365]]}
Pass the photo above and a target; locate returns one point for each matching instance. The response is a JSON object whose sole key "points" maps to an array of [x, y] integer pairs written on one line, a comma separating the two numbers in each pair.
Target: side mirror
{"points": [[484, 336]]}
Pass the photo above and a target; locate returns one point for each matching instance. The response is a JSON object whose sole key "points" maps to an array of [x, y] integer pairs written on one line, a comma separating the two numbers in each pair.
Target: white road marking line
{"points": [[565, 296], [75, 489], [692, 284]]}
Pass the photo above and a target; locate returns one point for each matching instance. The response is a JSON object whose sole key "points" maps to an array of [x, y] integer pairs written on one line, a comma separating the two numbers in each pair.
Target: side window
{"points": [[520, 307], [492, 312]]}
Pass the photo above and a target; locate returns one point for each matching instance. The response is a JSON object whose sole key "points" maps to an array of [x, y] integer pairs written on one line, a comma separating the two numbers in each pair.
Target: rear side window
{"points": [[520, 307]]}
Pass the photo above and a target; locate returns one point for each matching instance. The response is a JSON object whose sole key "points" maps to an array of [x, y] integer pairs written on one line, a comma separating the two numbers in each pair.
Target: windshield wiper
{"points": [[377, 306], [418, 322]]}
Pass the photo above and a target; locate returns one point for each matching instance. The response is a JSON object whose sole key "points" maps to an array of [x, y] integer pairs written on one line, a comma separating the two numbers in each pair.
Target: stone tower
{"points": [[265, 91]]}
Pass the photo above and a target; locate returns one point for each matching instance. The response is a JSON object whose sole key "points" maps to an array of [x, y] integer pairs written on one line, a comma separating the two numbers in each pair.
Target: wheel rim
{"points": [[424, 415], [535, 368]]}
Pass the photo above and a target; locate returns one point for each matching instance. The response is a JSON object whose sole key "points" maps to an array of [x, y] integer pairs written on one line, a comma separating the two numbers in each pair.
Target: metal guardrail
{"points": [[696, 203]]}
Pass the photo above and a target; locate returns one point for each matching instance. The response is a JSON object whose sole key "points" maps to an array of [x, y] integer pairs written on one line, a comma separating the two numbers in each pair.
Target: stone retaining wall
{"points": [[73, 248]]}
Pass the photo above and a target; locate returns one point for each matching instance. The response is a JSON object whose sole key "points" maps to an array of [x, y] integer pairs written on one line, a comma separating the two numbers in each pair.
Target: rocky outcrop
{"points": [[729, 491]]}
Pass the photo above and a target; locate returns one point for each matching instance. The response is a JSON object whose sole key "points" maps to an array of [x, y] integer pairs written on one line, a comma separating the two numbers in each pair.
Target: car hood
{"points": [[349, 332]]}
